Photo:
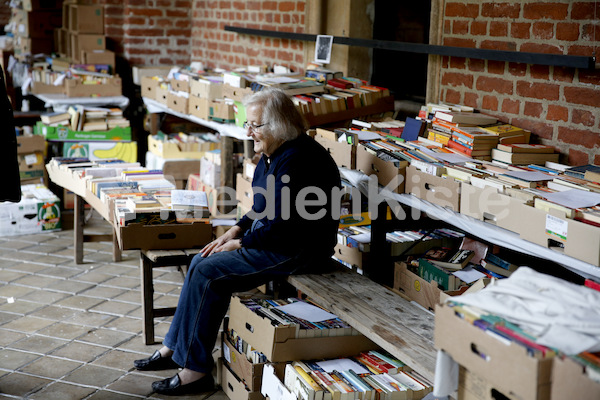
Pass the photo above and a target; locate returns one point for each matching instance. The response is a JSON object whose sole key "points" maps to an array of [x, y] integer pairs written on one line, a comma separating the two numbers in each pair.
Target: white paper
{"points": [[531, 176], [574, 198], [362, 237], [452, 158], [222, 222], [189, 198], [468, 274], [300, 309], [281, 79], [59, 80], [367, 135], [342, 364]]}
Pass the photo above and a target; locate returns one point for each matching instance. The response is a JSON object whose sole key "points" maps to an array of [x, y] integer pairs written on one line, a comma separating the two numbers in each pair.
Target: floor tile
{"points": [[108, 395], [28, 324], [62, 391], [11, 290], [58, 272], [83, 352], [117, 359], [70, 286], [133, 384], [38, 344], [20, 307], [79, 302], [17, 384], [115, 308], [36, 281], [92, 276], [51, 367], [93, 375], [44, 296], [25, 267], [125, 324], [64, 330], [105, 337], [54, 312], [14, 359], [91, 319], [7, 337], [8, 275], [123, 282]]}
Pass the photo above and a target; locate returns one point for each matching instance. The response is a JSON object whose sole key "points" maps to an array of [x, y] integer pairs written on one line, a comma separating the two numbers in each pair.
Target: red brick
{"points": [[241, 5], [541, 48], [458, 42], [498, 28], [286, 18], [253, 5], [183, 4], [462, 10], [567, 31], [447, 27], [478, 27], [517, 69], [287, 6], [579, 50], [490, 103], [590, 31], [557, 113], [500, 10], [300, 6], [223, 5], [583, 117], [536, 126], [563, 74], [510, 106], [113, 31], [159, 3], [582, 10], [489, 84], [532, 109], [520, 30], [148, 12], [542, 30], [177, 13], [452, 96], [457, 79], [471, 99], [539, 71], [582, 95], [476, 64], [496, 67], [498, 45], [596, 160], [458, 62], [145, 32], [538, 90], [164, 22], [582, 137], [537, 11], [285, 56], [589, 76], [576, 157], [138, 50], [460, 27], [120, 21], [177, 32]]}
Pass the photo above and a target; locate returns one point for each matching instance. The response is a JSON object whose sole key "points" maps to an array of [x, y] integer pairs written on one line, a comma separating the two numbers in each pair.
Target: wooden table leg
{"points": [[78, 223], [147, 299], [116, 249]]}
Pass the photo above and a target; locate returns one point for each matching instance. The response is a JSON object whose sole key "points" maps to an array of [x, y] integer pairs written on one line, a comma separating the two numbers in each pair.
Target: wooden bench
{"points": [[394, 323], [151, 259]]}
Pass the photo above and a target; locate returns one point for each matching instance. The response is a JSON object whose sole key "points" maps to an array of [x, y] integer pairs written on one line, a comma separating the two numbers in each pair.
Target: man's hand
{"points": [[227, 242]]}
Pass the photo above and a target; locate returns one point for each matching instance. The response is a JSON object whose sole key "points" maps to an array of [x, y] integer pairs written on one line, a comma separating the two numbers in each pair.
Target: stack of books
{"points": [[523, 154]]}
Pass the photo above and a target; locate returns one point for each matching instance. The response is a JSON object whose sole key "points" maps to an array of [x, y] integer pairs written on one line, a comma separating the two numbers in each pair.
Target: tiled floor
{"points": [[70, 331]]}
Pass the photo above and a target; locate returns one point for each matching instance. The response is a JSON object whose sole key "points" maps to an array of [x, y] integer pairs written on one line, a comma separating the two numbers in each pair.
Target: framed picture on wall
{"points": [[323, 49]]}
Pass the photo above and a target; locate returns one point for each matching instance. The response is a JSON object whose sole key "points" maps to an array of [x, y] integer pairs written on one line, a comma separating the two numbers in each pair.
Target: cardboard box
{"points": [[164, 237], [279, 343], [351, 257], [180, 86], [508, 368], [177, 103], [75, 88], [37, 24], [180, 170], [140, 72], [198, 107], [343, 154], [210, 172], [486, 204], [471, 386], [81, 42], [126, 151], [236, 93], [386, 171], [148, 86], [427, 294], [30, 143], [171, 150], [98, 56], [247, 371], [248, 168], [553, 230], [272, 385], [31, 165], [434, 189], [37, 212], [61, 41], [221, 111], [234, 387], [162, 95], [86, 18], [243, 191], [570, 381], [206, 89], [42, 88], [64, 133]]}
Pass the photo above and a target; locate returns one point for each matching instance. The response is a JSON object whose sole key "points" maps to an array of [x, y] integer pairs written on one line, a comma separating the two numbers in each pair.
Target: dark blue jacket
{"points": [[283, 227]]}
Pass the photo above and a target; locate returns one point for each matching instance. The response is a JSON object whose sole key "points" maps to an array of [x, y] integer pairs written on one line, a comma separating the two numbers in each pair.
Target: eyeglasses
{"points": [[253, 128]]}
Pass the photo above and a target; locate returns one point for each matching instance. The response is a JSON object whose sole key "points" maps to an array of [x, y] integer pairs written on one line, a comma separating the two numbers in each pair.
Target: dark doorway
{"points": [[405, 74]]}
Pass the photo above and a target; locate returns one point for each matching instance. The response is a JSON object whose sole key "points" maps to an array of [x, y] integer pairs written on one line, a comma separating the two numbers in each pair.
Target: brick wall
{"points": [[215, 47], [560, 105], [150, 32]]}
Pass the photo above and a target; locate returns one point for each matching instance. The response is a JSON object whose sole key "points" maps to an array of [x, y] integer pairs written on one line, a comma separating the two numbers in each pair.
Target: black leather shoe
{"points": [[173, 387], [155, 363]]}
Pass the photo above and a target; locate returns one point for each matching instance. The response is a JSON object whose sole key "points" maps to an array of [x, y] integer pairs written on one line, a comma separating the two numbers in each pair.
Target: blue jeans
{"points": [[206, 294]]}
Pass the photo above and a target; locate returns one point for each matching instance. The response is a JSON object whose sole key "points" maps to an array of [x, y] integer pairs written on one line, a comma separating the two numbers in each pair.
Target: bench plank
{"points": [[397, 325]]}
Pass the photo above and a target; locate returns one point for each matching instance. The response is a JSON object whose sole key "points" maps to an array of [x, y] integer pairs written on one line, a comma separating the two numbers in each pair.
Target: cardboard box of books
{"points": [[351, 257], [472, 386], [180, 85], [148, 86], [176, 102], [126, 151], [170, 150], [243, 191], [198, 107], [37, 212], [553, 229], [509, 367], [43, 88], [65, 133], [77, 88], [444, 192], [27, 144], [206, 89], [234, 387], [236, 93], [247, 369], [283, 342], [162, 95], [387, 172], [31, 165], [343, 154], [572, 380], [221, 111], [488, 205], [166, 236]]}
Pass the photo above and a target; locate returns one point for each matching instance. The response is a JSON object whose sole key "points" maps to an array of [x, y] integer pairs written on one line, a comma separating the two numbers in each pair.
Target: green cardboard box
{"points": [[64, 133]]}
